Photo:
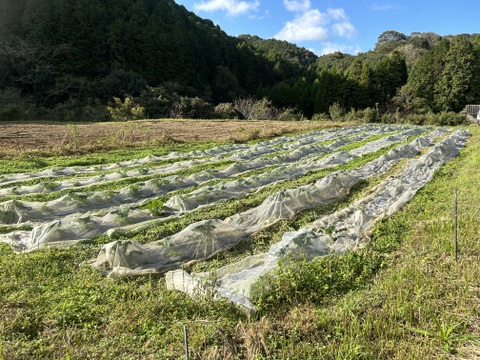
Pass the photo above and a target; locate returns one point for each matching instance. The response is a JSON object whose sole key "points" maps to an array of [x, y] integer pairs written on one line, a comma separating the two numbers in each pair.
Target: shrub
{"points": [[158, 102], [12, 105], [125, 110], [76, 110], [252, 109], [445, 118], [11, 112], [336, 111], [449, 119], [226, 111], [289, 114], [195, 108], [369, 115], [321, 117], [121, 83]]}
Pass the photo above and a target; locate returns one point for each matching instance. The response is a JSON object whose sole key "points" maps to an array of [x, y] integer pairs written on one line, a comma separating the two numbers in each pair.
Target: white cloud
{"points": [[337, 14], [329, 48], [297, 6], [313, 25], [345, 29], [232, 7], [266, 15], [308, 26]]}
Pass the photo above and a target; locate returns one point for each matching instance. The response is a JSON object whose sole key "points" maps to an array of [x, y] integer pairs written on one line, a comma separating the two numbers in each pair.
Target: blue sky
{"points": [[325, 26]]}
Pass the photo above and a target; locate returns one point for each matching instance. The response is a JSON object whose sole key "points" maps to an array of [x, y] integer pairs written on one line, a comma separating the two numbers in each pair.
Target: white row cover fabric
{"points": [[67, 224], [204, 239], [122, 170], [351, 227], [17, 211], [263, 147]]}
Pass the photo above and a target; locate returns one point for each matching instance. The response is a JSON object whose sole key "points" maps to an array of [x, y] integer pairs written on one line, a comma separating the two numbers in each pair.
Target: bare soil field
{"points": [[61, 138]]}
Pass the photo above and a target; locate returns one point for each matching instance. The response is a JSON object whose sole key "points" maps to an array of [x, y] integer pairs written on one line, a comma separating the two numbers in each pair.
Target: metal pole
{"points": [[185, 338], [455, 229]]}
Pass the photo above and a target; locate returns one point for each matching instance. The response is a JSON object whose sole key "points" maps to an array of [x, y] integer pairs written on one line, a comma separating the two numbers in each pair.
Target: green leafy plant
{"points": [[449, 334]]}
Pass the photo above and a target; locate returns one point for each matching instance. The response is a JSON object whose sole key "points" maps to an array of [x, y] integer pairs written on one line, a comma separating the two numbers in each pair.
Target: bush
{"points": [[226, 111], [445, 118], [125, 110], [158, 102], [252, 109], [321, 117], [12, 105], [336, 111], [121, 83], [195, 108], [11, 112], [289, 114], [76, 110], [369, 115], [450, 119]]}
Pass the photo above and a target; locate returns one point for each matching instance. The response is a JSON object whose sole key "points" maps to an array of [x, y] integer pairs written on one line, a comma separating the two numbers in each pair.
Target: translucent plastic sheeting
{"points": [[93, 224], [121, 172], [204, 239], [336, 233], [240, 187], [82, 182], [216, 151], [18, 211]]}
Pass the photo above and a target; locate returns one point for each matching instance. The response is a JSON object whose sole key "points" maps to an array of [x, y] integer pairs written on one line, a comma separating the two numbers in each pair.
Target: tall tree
{"points": [[458, 84], [390, 74]]}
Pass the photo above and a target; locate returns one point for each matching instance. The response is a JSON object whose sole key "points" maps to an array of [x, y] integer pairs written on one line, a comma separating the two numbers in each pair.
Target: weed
{"points": [[449, 334]]}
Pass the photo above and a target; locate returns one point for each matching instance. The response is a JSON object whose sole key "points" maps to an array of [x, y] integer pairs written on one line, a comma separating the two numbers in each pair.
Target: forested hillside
{"points": [[97, 60]]}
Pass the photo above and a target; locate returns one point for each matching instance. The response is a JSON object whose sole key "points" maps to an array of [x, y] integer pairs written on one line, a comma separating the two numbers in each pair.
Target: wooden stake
{"points": [[455, 229], [185, 338]]}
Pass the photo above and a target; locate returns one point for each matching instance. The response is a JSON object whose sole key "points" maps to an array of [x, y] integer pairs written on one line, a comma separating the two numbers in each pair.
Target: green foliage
{"points": [[321, 117], [226, 111], [449, 335], [300, 281], [122, 83], [125, 110], [336, 111], [389, 41], [11, 113]]}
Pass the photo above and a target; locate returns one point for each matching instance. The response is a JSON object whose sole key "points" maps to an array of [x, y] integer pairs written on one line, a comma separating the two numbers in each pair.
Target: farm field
{"points": [[60, 138], [327, 243]]}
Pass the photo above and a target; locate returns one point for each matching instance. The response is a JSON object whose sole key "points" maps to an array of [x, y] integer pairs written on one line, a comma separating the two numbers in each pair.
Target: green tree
{"points": [[389, 40], [422, 89], [390, 74], [458, 83]]}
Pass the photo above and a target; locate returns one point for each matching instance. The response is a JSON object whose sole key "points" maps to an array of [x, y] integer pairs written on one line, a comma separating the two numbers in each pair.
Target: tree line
{"points": [[97, 59]]}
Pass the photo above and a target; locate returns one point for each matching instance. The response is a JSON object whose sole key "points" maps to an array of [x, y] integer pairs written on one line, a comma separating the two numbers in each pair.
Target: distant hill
{"points": [[72, 58], [156, 40]]}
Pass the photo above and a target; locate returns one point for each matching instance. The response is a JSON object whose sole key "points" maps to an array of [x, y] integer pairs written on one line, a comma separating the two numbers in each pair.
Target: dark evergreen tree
{"points": [[390, 74], [458, 83]]}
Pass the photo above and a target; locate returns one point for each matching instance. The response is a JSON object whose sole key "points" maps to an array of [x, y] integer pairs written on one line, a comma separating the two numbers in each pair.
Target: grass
{"points": [[403, 296]]}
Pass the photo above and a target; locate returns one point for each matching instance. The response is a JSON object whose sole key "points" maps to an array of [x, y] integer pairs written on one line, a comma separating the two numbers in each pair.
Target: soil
{"points": [[59, 138]]}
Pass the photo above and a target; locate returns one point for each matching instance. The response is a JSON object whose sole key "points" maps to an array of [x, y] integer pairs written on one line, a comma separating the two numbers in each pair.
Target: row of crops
{"points": [[63, 206]]}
